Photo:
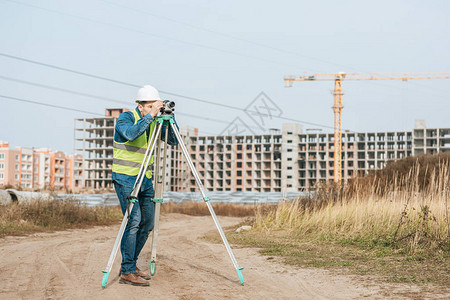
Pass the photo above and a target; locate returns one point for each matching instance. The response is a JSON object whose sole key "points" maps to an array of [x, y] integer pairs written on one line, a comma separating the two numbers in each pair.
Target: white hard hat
{"points": [[147, 93]]}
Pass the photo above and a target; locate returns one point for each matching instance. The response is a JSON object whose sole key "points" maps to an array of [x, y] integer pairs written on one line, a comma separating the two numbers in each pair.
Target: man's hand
{"points": [[156, 107]]}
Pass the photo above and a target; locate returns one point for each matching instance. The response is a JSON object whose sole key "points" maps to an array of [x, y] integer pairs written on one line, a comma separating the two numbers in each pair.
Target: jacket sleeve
{"points": [[129, 131]]}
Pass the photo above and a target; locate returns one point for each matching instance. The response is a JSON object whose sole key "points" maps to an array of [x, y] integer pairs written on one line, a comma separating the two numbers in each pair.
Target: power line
{"points": [[138, 86], [149, 34], [247, 41], [185, 42], [88, 112], [199, 45], [226, 35], [50, 105], [62, 90], [69, 70], [113, 80], [99, 97], [57, 106]]}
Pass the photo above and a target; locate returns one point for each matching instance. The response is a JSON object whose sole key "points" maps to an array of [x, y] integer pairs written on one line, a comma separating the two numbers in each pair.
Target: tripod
{"points": [[168, 120]]}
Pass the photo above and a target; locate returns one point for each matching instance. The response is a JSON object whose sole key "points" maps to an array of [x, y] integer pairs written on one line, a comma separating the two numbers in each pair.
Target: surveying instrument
{"points": [[165, 118]]}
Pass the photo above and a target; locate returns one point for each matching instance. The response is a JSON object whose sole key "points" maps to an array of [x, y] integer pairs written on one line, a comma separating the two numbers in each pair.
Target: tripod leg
{"points": [[159, 189], [147, 157], [134, 193], [206, 199]]}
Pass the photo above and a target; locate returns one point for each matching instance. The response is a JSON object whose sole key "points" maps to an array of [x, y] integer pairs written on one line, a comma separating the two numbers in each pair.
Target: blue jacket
{"points": [[126, 130]]}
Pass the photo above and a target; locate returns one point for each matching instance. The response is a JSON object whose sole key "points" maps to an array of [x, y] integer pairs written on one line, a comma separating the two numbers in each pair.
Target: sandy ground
{"points": [[67, 265]]}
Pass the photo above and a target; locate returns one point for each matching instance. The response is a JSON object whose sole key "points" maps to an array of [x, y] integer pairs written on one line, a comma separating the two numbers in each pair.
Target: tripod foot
{"points": [[241, 277], [152, 267], [105, 278]]}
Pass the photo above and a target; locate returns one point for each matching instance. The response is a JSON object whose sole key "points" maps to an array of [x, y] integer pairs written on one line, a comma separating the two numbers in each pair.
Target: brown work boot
{"points": [[133, 280], [142, 274]]}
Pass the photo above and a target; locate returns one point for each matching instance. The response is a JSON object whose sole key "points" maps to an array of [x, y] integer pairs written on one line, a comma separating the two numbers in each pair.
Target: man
{"points": [[132, 132]]}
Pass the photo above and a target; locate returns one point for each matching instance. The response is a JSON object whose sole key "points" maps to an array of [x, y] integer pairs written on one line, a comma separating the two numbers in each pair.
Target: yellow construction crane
{"points": [[337, 108]]}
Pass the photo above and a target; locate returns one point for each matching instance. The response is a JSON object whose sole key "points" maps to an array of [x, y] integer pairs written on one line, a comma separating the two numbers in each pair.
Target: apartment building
{"points": [[62, 170], [77, 171], [34, 168], [42, 168], [9, 164]]}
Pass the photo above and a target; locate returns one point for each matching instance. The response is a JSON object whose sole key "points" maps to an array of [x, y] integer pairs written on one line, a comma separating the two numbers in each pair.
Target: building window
{"points": [[289, 150], [289, 177], [2, 166], [16, 177], [239, 182], [289, 168], [17, 156], [289, 141], [289, 185], [17, 167], [239, 165], [239, 155], [26, 176], [1, 175], [289, 159], [239, 173], [2, 155], [289, 132]]}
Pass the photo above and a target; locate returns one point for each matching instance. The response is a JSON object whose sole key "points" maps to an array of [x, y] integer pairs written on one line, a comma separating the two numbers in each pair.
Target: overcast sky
{"points": [[224, 52]]}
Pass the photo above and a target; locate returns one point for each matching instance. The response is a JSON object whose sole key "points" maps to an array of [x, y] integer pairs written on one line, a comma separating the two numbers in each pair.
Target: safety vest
{"points": [[128, 156]]}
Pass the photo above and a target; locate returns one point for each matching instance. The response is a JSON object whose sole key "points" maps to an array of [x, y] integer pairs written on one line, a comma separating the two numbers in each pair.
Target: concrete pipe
{"points": [[5, 197], [26, 197]]}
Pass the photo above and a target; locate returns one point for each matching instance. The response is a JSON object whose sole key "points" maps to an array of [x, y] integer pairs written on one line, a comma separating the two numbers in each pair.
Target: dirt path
{"points": [[67, 265]]}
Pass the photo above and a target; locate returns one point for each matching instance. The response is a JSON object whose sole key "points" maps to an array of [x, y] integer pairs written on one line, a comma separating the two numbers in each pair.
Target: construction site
{"points": [[287, 161], [224, 149]]}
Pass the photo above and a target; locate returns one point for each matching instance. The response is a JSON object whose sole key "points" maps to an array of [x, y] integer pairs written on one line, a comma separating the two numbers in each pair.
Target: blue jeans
{"points": [[138, 227]]}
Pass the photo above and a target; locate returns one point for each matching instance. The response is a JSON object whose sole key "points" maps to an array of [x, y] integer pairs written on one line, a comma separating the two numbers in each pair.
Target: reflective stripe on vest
{"points": [[128, 156]]}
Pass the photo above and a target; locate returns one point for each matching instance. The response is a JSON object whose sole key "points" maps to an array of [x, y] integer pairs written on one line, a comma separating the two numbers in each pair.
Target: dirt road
{"points": [[67, 265]]}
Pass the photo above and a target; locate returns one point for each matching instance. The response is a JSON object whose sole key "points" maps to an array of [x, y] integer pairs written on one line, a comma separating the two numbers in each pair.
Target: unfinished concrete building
{"points": [[256, 163], [286, 161], [237, 163], [93, 140], [293, 160]]}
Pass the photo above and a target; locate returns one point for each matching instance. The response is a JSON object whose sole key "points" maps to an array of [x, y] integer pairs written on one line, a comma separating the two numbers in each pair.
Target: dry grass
{"points": [[395, 226], [221, 209], [409, 216], [41, 215]]}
